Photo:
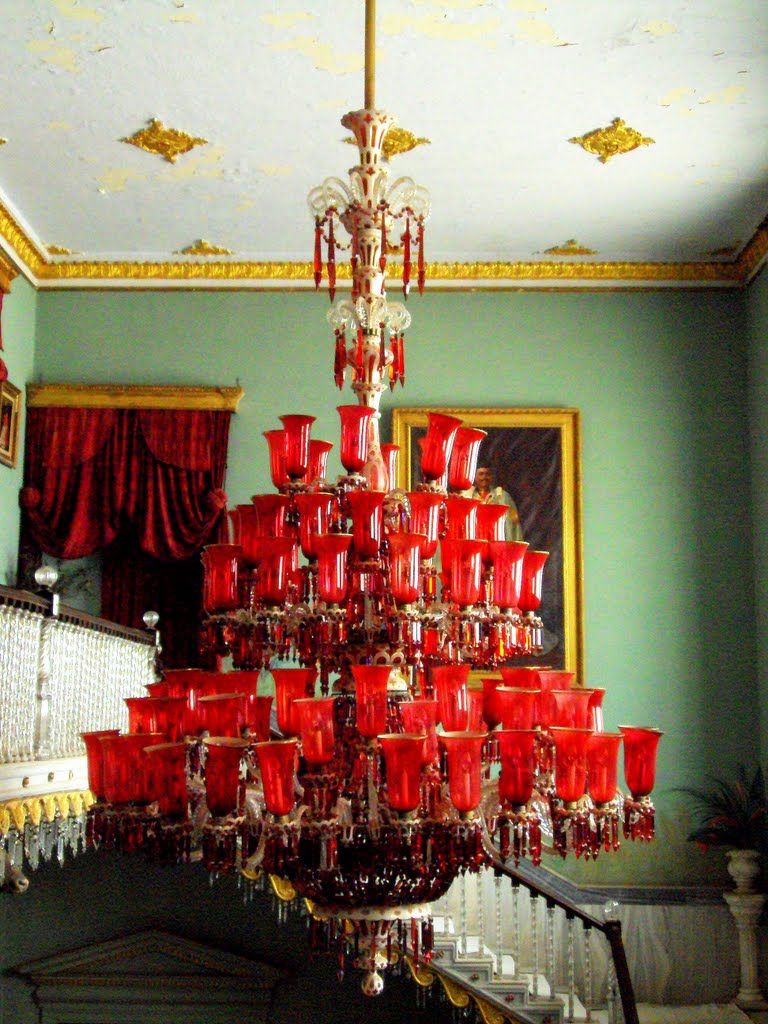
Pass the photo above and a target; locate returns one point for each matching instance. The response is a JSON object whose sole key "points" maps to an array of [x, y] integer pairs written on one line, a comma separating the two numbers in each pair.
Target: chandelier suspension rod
{"points": [[370, 54]]}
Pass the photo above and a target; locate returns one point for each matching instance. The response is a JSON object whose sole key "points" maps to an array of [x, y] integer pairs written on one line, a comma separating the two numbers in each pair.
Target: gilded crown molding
{"points": [[46, 273], [612, 140], [396, 141], [7, 272], [59, 250], [169, 143], [124, 396]]}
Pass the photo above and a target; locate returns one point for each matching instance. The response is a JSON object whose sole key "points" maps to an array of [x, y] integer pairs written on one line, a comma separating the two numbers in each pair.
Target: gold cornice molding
{"points": [[7, 272], [120, 396], [46, 273]]}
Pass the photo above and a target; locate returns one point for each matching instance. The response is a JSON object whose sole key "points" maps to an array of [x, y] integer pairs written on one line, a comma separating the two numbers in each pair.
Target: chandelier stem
{"points": [[370, 55]]}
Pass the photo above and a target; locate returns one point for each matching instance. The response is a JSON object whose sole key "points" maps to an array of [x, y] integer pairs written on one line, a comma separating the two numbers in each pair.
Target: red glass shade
{"points": [[124, 779], [332, 551], [507, 559], [389, 453], [290, 685], [278, 556], [367, 510], [517, 706], [596, 708], [140, 713], [159, 689], [419, 717], [355, 420], [463, 750], [245, 532], [317, 466], [221, 714], [462, 518], [180, 680], [490, 522], [491, 703], [220, 577], [314, 517], [570, 763], [451, 690], [403, 757], [405, 566], [277, 761], [297, 430], [550, 679], [475, 721], [463, 464], [277, 470], [517, 753], [466, 571], [603, 765], [316, 728], [533, 575], [269, 516], [157, 714], [425, 519], [258, 713], [371, 698], [572, 708], [640, 747], [94, 753], [437, 444], [222, 773], [165, 766]]}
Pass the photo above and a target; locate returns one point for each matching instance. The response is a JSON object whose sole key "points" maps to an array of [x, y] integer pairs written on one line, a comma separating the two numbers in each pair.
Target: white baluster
{"points": [[571, 965], [499, 961], [588, 996], [535, 944]]}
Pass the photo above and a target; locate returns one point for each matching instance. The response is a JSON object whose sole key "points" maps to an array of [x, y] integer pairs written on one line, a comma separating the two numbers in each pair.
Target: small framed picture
{"points": [[10, 411]]}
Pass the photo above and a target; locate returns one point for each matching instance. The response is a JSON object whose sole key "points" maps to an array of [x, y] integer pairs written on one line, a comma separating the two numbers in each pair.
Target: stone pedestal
{"points": [[746, 909]]}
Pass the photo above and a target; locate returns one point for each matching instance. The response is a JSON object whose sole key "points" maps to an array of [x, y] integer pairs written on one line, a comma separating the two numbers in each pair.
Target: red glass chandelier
{"points": [[384, 774]]}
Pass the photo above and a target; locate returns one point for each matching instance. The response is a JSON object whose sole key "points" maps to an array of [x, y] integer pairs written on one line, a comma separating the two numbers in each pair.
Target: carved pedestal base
{"points": [[746, 909]]}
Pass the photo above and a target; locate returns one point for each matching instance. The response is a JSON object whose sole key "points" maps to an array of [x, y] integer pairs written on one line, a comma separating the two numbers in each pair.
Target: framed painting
{"points": [[529, 460], [10, 411]]}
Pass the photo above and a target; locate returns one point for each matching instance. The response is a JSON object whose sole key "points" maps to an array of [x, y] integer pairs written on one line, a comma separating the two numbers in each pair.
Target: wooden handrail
{"points": [[611, 929]]}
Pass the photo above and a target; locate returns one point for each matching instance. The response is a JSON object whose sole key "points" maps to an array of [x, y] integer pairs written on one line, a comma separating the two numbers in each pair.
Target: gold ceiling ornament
{"points": [[204, 248], [169, 143], [58, 250], [570, 248], [613, 140], [2, 141], [396, 141], [725, 250]]}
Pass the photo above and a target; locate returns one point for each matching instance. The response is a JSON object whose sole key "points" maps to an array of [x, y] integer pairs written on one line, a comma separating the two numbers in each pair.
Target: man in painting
{"points": [[485, 491], [5, 426]]}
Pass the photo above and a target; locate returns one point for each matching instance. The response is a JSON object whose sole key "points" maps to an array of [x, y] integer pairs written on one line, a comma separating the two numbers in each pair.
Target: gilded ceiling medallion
{"points": [[203, 248], [613, 140], [3, 141], [397, 141], [570, 248], [169, 143], [725, 251]]}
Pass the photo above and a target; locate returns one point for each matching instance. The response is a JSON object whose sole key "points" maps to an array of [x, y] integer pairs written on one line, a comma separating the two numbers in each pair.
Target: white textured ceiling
{"points": [[498, 86]]}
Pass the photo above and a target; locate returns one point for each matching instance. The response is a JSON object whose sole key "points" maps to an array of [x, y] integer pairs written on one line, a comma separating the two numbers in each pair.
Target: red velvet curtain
{"points": [[146, 485]]}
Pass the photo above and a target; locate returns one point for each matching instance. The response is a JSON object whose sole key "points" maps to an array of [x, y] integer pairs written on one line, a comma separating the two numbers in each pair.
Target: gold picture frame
{"points": [[534, 455], [10, 413]]}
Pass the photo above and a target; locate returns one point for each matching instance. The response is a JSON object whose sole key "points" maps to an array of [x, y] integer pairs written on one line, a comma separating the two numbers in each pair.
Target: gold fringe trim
{"points": [[457, 994], [34, 809]]}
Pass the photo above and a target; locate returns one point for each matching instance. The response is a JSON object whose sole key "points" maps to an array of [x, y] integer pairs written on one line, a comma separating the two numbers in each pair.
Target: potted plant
{"points": [[734, 815]]}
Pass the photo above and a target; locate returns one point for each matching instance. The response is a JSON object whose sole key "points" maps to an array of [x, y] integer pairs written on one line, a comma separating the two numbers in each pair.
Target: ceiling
{"points": [[502, 89]]}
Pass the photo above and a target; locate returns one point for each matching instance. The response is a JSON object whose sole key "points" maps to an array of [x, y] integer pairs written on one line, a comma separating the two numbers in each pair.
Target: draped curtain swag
{"points": [[91, 472]]}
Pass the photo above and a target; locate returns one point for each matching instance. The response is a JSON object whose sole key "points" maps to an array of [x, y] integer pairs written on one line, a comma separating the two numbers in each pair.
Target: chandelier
{"points": [[383, 774]]}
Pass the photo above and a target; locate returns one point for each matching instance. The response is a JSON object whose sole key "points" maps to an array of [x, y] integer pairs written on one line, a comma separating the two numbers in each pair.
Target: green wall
{"points": [[661, 381], [757, 333], [18, 324]]}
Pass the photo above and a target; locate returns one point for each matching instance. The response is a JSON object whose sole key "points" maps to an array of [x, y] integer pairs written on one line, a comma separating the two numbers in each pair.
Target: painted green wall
{"points": [[19, 311], [757, 333], [660, 379]]}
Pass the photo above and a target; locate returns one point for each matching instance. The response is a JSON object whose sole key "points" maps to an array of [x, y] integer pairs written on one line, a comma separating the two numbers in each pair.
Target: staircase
{"points": [[539, 963]]}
